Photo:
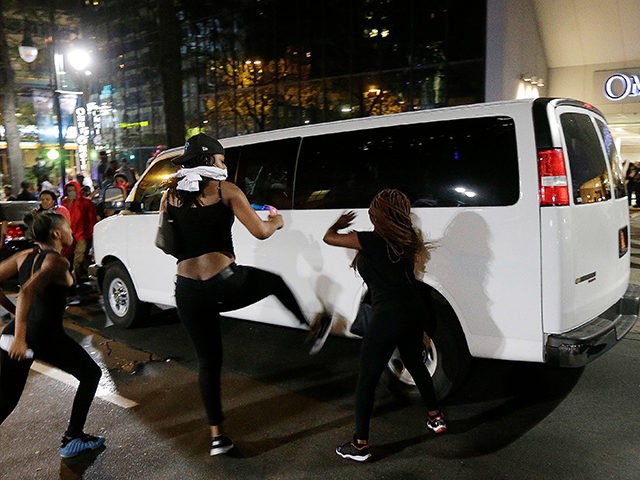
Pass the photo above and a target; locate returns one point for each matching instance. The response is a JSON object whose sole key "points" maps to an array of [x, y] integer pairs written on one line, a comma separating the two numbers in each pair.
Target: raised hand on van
{"points": [[344, 221], [348, 239]]}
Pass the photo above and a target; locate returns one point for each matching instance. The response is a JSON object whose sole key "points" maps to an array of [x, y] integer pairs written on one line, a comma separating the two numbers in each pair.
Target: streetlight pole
{"points": [[56, 95], [29, 52]]}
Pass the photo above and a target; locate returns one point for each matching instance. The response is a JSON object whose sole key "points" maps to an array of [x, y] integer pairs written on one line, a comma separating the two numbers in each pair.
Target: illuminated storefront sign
{"points": [[620, 86], [94, 112], [83, 139]]}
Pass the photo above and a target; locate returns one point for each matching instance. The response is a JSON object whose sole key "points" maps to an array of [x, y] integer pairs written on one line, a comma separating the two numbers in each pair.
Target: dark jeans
{"points": [[61, 352], [390, 327], [199, 303]]}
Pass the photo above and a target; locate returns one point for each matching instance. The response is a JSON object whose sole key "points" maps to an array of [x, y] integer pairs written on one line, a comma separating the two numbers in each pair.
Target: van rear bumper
{"points": [[581, 345]]}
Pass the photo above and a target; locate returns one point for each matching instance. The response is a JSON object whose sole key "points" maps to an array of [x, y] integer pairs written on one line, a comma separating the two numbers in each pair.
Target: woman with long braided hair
{"points": [[388, 259]]}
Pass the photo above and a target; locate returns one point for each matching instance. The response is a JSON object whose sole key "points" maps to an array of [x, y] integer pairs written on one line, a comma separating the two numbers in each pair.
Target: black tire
{"points": [[446, 356], [121, 301]]}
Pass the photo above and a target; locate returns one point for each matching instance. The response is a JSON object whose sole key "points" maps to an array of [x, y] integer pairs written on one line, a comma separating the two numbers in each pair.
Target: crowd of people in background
{"points": [[78, 202], [117, 171]]}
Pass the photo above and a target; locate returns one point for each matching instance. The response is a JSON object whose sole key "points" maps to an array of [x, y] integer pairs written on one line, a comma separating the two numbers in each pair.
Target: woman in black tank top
{"points": [[203, 207], [37, 332]]}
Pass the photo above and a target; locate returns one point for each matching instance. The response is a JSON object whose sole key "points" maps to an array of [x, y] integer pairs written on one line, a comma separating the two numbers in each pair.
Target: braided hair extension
{"points": [[390, 213], [188, 199]]}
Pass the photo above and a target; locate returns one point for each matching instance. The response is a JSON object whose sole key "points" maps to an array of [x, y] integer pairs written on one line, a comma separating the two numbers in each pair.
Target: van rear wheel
{"points": [[445, 355], [121, 302]]}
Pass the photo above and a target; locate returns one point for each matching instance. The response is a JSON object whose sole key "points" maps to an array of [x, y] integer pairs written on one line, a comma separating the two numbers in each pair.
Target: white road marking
{"points": [[103, 393]]}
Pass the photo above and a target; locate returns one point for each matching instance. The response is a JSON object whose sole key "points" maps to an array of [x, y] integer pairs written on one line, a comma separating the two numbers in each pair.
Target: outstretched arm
{"points": [[259, 228], [347, 240]]}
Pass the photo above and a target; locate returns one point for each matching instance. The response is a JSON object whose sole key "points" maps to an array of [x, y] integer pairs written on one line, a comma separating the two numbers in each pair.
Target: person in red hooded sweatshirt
{"points": [[83, 218]]}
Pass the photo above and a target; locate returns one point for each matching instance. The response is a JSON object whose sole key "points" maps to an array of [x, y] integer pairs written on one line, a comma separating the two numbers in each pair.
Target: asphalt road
{"points": [[286, 412]]}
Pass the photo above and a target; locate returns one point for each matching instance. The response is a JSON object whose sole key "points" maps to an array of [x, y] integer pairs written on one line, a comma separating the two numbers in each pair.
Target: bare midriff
{"points": [[204, 266]]}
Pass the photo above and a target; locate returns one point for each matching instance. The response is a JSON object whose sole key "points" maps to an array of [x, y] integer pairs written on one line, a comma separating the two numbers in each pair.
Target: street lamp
{"points": [[27, 51], [79, 60]]}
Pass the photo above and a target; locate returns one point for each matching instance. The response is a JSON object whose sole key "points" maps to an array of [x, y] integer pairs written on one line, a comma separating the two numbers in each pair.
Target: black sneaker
{"points": [[437, 423], [319, 332], [220, 444], [353, 451]]}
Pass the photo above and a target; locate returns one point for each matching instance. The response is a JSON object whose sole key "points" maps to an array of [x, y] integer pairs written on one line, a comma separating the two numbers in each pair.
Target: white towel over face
{"points": [[191, 176]]}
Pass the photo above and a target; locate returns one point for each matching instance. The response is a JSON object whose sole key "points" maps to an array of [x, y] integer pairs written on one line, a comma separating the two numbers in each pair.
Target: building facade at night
{"points": [[254, 65]]}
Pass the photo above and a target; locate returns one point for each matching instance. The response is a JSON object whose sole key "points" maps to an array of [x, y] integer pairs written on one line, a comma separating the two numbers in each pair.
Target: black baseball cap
{"points": [[197, 145]]}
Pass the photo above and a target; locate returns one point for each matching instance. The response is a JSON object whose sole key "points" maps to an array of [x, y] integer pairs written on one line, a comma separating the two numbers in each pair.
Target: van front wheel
{"points": [[445, 355], [121, 302]]}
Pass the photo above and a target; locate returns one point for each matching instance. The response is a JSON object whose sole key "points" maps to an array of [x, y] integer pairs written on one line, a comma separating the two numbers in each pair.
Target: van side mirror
{"points": [[114, 198]]}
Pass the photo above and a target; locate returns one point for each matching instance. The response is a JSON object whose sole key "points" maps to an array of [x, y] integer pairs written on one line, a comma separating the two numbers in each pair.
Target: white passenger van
{"points": [[523, 200]]}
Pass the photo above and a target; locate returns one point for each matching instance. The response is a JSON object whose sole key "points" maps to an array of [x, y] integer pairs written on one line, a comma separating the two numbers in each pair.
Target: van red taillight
{"points": [[554, 189]]}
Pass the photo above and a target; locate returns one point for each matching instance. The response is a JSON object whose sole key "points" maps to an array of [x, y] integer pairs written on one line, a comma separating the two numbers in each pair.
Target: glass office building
{"points": [[261, 65]]}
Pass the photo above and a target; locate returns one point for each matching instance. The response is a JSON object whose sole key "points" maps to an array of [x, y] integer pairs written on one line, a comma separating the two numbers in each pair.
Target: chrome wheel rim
{"points": [[119, 300]]}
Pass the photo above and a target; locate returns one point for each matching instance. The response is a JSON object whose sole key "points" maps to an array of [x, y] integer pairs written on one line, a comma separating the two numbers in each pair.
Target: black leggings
{"points": [[199, 303], [390, 328], [62, 352]]}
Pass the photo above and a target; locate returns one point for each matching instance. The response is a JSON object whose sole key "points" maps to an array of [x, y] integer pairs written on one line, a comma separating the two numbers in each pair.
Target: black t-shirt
{"points": [[389, 279]]}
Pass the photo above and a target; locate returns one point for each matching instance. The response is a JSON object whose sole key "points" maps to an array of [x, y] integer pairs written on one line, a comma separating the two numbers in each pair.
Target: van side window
{"points": [[149, 190], [231, 156], [467, 162], [614, 160], [589, 173], [265, 172]]}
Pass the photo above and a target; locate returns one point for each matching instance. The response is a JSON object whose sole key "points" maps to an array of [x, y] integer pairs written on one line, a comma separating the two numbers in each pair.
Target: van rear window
{"points": [[457, 163], [589, 173], [615, 162]]}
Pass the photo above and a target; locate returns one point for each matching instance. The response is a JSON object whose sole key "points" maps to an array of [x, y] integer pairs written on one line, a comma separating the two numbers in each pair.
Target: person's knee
{"points": [[281, 285], [93, 374]]}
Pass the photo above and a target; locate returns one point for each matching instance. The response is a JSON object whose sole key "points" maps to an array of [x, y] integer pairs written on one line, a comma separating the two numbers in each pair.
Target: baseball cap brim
{"points": [[182, 159]]}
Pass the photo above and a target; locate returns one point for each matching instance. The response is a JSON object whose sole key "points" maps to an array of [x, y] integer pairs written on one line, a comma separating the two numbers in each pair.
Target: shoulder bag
{"points": [[363, 317], [166, 235]]}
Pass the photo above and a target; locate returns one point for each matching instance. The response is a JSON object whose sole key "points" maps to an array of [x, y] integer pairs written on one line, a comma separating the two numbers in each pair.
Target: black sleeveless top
{"points": [[45, 316], [202, 229]]}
